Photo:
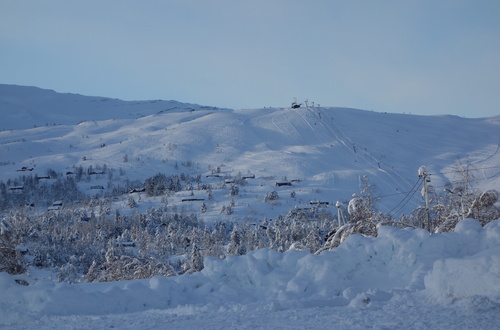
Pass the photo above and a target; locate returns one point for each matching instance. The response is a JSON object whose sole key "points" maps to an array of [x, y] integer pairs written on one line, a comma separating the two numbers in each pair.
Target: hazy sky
{"points": [[412, 56]]}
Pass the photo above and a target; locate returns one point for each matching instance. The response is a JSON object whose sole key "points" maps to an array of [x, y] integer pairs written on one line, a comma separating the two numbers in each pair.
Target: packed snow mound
{"points": [[472, 269], [362, 272]]}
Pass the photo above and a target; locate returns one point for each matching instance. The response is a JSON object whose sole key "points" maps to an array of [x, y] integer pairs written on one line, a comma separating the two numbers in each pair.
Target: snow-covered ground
{"points": [[400, 279], [328, 149]]}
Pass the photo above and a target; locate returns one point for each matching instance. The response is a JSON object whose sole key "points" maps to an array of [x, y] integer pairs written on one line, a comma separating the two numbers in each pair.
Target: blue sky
{"points": [[415, 56]]}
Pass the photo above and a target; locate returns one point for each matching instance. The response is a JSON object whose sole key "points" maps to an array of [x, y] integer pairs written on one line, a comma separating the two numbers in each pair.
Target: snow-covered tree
{"points": [[195, 262], [234, 191], [131, 203], [235, 246], [9, 257]]}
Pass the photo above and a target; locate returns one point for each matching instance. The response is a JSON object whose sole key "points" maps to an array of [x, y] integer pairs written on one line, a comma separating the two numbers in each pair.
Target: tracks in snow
{"points": [[340, 136]]}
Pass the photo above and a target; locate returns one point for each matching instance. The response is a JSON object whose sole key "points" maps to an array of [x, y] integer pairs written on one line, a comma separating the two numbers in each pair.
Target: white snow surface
{"points": [[400, 279], [327, 149]]}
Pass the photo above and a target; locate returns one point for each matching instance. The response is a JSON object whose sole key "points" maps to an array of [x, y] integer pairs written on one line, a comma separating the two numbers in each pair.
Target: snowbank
{"points": [[475, 267], [361, 273]]}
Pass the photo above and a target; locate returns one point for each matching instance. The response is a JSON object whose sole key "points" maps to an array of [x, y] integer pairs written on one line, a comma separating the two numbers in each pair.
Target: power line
{"points": [[471, 169], [416, 183], [395, 194], [475, 180], [412, 192], [440, 186], [408, 197]]}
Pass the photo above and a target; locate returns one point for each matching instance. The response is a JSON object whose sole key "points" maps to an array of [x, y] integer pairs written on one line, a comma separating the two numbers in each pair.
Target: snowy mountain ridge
{"points": [[24, 107]]}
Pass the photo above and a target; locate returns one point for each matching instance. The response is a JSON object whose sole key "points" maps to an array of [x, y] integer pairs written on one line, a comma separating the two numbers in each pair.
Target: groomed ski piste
{"points": [[401, 278]]}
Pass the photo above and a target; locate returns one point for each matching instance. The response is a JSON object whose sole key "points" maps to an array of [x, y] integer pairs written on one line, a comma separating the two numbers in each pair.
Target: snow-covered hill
{"points": [[328, 149], [24, 107], [403, 278]]}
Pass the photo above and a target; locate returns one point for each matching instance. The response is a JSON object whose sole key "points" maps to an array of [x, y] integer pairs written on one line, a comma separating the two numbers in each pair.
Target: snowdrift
{"points": [[362, 272]]}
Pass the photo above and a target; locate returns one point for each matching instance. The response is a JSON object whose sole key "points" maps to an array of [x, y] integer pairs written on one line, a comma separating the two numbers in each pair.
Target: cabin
{"points": [[95, 172], [252, 176], [192, 199], [283, 183], [97, 187], [16, 188], [137, 190], [24, 169], [319, 203], [213, 176], [69, 173], [57, 205], [126, 244], [229, 181]]}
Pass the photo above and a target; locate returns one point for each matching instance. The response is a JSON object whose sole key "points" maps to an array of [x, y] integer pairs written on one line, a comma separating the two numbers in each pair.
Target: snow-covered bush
{"points": [[131, 203], [227, 210], [271, 197], [234, 191]]}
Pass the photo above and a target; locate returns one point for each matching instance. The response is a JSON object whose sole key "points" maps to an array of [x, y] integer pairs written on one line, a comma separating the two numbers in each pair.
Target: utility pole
{"points": [[422, 173]]}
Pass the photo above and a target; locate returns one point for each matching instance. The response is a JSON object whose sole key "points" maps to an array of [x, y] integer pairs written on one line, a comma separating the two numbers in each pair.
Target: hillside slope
{"points": [[328, 149], [23, 107]]}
